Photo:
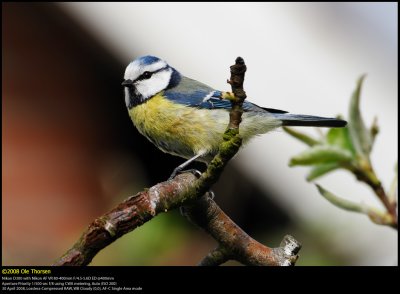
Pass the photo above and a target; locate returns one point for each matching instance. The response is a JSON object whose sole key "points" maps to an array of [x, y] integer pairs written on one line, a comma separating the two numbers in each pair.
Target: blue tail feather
{"points": [[301, 120]]}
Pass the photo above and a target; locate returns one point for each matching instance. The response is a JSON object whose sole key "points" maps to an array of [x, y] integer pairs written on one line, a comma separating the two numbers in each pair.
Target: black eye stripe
{"points": [[147, 74]]}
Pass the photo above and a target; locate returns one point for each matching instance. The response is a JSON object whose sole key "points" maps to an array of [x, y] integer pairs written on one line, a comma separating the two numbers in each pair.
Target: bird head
{"points": [[145, 77]]}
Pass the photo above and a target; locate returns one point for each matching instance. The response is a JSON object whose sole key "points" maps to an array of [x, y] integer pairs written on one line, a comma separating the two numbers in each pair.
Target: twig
{"points": [[369, 177], [236, 81]]}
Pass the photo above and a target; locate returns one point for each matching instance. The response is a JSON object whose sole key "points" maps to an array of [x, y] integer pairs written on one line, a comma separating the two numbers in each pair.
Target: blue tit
{"points": [[186, 118]]}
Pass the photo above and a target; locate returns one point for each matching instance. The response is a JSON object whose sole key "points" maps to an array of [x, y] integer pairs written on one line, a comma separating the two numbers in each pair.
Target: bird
{"points": [[186, 118]]}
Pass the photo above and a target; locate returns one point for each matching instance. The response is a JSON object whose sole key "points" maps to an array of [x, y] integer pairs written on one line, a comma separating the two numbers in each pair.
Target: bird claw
{"points": [[197, 174], [178, 171], [182, 211], [211, 194]]}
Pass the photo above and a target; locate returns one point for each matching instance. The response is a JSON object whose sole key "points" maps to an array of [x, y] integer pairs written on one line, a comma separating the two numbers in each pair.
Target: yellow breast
{"points": [[178, 129]]}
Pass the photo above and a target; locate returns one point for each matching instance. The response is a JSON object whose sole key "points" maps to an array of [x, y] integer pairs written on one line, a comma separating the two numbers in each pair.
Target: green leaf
{"points": [[340, 137], [360, 135], [301, 136], [340, 202], [321, 169], [376, 215], [320, 154]]}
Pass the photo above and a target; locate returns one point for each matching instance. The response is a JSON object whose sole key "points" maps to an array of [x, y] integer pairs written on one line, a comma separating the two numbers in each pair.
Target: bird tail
{"points": [[301, 120]]}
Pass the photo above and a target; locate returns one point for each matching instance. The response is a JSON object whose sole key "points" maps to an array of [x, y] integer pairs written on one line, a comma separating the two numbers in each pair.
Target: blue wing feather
{"points": [[193, 99], [195, 94], [213, 101]]}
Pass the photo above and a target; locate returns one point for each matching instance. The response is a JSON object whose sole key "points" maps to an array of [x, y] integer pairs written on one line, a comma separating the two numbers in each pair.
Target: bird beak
{"points": [[127, 83]]}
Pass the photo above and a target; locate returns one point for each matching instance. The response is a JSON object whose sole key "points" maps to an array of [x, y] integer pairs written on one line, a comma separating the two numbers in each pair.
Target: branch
{"points": [[368, 176], [236, 81], [234, 243], [127, 216], [216, 257]]}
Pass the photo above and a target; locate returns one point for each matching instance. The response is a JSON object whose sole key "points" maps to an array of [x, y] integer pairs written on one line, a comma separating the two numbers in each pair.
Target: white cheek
{"points": [[158, 82]]}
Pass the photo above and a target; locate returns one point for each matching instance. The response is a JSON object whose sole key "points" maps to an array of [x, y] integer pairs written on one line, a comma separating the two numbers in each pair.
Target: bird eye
{"points": [[146, 75]]}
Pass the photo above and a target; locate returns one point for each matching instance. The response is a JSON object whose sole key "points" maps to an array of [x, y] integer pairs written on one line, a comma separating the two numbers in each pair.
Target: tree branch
{"points": [[216, 257], [234, 243], [127, 216]]}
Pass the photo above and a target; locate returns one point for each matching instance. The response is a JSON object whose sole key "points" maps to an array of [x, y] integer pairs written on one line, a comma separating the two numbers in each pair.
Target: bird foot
{"points": [[179, 170]]}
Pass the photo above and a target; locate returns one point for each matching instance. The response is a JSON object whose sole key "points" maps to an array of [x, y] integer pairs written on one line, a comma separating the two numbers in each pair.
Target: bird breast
{"points": [[178, 129]]}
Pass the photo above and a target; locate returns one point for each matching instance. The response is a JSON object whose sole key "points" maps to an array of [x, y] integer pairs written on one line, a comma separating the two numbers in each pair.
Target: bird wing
{"points": [[195, 94]]}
